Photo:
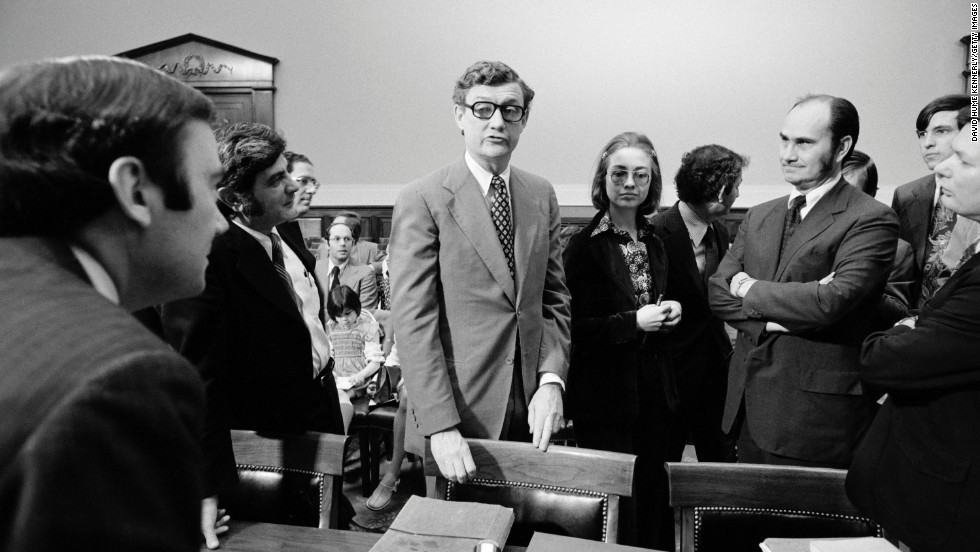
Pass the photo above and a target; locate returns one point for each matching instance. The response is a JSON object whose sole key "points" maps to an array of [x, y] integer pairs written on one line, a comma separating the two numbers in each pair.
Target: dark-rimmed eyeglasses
{"points": [[307, 181], [485, 110], [619, 176]]}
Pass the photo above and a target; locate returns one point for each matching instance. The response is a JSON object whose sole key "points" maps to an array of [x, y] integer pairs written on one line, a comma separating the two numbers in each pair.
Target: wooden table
{"points": [[246, 536]]}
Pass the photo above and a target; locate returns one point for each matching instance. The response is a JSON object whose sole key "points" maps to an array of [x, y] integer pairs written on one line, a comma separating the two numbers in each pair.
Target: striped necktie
{"points": [[280, 264]]}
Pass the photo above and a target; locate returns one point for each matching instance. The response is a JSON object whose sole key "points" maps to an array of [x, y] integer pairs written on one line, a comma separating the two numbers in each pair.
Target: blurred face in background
{"points": [[305, 177]]}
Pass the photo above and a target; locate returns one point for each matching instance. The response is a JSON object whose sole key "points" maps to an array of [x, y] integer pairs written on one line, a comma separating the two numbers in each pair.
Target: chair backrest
{"points": [[734, 507], [287, 479], [566, 491]]}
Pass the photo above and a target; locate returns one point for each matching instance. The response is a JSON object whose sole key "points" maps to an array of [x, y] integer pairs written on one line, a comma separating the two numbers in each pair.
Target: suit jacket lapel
{"points": [[820, 217], [770, 233], [919, 218], [678, 244], [609, 257], [256, 267], [527, 216], [469, 209]]}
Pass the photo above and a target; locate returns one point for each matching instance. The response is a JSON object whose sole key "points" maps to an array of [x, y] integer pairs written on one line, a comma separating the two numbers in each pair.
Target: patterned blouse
{"points": [[635, 254]]}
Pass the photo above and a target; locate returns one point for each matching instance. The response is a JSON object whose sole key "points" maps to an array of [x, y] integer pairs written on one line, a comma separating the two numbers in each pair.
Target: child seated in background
{"points": [[355, 342]]}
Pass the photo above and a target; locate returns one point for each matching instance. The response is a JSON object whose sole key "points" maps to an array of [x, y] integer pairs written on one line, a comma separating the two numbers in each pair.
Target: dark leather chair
{"points": [[287, 479], [734, 507], [565, 491]]}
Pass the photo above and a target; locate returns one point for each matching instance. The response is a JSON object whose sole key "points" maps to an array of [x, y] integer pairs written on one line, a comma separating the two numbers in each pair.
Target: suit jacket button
{"points": [[510, 360]]}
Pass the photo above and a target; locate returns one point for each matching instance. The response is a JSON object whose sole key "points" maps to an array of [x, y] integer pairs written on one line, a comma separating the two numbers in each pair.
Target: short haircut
{"points": [[333, 224], [246, 149], [844, 120], [707, 170], [952, 102], [293, 157], [600, 199], [63, 122], [858, 161], [490, 73], [340, 298], [353, 221]]}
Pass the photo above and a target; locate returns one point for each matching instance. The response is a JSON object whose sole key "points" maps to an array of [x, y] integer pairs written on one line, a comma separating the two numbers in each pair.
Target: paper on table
{"points": [[428, 524], [864, 544]]}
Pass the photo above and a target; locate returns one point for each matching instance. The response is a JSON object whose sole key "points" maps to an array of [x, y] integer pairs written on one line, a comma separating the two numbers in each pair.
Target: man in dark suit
{"points": [[481, 306], [256, 333], [916, 472], [696, 240], [936, 236], [802, 283], [107, 181], [337, 268]]}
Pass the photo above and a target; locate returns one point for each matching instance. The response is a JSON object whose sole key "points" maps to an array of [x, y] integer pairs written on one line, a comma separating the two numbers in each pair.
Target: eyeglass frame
{"points": [[497, 107], [628, 174], [307, 181]]}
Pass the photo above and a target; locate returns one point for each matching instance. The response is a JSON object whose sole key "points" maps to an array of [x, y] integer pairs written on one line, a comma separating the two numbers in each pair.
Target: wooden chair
{"points": [[734, 507], [565, 491], [287, 479]]}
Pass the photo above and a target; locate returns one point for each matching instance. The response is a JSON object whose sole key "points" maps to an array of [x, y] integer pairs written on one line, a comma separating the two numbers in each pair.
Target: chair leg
{"points": [[364, 437], [375, 458]]}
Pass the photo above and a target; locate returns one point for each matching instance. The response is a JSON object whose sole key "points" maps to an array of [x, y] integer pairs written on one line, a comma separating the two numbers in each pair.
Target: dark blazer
{"points": [[699, 344], [612, 363], [912, 203], [252, 349], [807, 378], [918, 470], [101, 421]]}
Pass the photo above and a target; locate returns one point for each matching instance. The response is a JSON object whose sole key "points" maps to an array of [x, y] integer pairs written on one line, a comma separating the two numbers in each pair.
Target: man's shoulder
{"points": [[917, 186], [529, 178], [666, 219]]}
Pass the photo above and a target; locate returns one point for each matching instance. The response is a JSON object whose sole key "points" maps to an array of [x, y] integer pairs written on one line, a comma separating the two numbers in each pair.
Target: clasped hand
{"points": [[662, 317]]}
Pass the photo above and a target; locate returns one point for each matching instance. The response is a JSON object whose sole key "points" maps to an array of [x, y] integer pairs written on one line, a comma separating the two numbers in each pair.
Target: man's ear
{"points": [[132, 188], [845, 146], [458, 112], [228, 197]]}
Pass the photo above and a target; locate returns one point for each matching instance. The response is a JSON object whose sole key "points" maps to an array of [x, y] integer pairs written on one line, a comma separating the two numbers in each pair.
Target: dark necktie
{"points": [[280, 264], [792, 221], [711, 257], [500, 213], [934, 270], [334, 277]]}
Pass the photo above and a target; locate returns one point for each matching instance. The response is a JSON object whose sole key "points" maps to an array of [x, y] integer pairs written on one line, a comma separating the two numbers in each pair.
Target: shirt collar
{"points": [[696, 228], [264, 240], [483, 176], [97, 274], [606, 225], [814, 195]]}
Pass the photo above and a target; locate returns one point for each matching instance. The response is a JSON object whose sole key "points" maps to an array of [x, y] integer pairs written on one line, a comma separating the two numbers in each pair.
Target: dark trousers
{"points": [[515, 426], [647, 519], [698, 417]]}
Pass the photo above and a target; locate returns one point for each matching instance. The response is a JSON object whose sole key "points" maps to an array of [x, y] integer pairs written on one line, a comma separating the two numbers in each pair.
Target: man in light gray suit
{"points": [[480, 301]]}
